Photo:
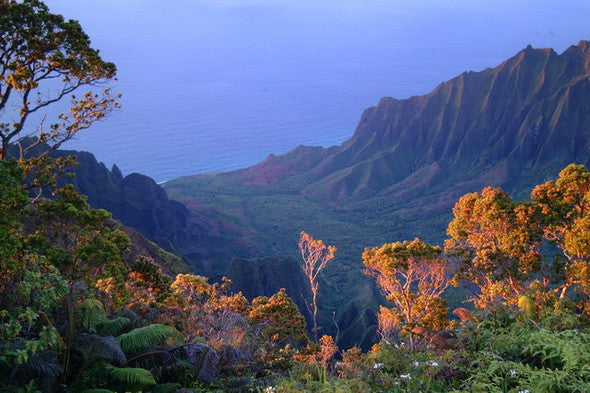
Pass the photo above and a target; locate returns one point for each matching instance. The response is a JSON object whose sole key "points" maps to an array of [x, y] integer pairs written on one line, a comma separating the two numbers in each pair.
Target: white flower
{"points": [[513, 373], [406, 376], [378, 366], [416, 364], [270, 389], [396, 383], [524, 391], [434, 364], [386, 342]]}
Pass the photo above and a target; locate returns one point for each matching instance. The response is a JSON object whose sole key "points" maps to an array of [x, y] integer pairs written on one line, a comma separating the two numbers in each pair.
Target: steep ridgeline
{"points": [[408, 162], [200, 235]]}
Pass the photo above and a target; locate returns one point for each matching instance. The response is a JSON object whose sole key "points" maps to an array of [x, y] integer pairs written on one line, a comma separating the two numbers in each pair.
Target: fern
{"points": [[113, 327], [201, 358], [539, 361], [128, 313], [567, 350], [91, 313], [145, 337], [94, 348], [43, 364], [132, 377]]}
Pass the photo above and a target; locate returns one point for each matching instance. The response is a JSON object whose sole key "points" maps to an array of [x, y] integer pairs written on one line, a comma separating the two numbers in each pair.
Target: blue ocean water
{"points": [[212, 85]]}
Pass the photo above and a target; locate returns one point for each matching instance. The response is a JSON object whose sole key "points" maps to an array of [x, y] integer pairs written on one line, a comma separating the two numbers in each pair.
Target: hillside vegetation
{"points": [[407, 164], [78, 315], [90, 305]]}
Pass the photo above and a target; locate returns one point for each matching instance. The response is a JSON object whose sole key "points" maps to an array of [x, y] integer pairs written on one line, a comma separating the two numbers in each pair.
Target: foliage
{"points": [[413, 275], [132, 377], [565, 210], [145, 337], [76, 314], [77, 239], [315, 256], [44, 60], [498, 244], [525, 358], [148, 283], [280, 320], [92, 313], [113, 327]]}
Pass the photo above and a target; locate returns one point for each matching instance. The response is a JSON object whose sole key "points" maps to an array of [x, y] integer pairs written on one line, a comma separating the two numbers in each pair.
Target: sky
{"points": [[213, 85]]}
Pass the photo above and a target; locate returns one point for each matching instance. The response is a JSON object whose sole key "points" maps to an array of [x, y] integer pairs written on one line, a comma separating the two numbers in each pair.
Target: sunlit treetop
{"points": [[44, 59]]}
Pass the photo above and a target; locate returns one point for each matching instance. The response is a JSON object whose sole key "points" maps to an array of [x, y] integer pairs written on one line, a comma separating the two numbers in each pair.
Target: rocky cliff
{"points": [[200, 235]]}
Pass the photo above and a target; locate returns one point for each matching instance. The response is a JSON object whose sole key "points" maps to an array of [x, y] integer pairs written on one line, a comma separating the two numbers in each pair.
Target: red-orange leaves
{"points": [[413, 275], [497, 243]]}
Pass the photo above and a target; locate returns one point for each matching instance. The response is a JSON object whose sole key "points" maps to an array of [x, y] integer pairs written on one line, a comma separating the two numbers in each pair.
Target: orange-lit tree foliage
{"points": [[497, 243], [147, 283], [565, 209], [45, 59], [279, 320], [212, 314], [413, 275], [318, 354], [315, 255]]}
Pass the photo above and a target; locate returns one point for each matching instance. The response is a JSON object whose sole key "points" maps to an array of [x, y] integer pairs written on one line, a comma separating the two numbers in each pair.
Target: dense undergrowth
{"points": [[78, 315], [81, 312]]}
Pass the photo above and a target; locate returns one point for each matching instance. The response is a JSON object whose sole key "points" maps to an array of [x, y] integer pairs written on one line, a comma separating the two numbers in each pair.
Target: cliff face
{"points": [[398, 176], [200, 235], [530, 110]]}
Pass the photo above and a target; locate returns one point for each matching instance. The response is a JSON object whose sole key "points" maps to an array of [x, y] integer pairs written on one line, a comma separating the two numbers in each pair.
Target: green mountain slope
{"points": [[408, 162]]}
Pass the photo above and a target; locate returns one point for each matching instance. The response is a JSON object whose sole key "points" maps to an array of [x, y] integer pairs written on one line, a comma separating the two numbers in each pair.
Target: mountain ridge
{"points": [[200, 235], [413, 130], [398, 176]]}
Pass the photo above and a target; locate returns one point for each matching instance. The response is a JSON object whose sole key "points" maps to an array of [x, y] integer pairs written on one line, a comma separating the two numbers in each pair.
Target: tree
{"points": [[565, 209], [30, 288], [280, 319], [13, 202], [498, 245], [77, 239], [413, 275], [315, 256], [44, 59]]}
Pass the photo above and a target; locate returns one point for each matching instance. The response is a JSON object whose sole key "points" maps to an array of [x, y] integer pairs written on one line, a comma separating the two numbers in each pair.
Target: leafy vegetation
{"points": [[77, 315]]}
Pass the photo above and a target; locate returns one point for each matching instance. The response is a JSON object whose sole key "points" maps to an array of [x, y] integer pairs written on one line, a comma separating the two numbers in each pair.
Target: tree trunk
{"points": [[314, 303]]}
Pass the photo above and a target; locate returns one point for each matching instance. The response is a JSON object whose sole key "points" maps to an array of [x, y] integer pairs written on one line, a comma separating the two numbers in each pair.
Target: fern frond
{"points": [[131, 315], [43, 364], [145, 337], [94, 348], [203, 359], [113, 327], [134, 377], [90, 313]]}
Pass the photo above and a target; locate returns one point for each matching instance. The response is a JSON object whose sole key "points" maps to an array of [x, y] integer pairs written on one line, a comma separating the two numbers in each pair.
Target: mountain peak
{"points": [[518, 111]]}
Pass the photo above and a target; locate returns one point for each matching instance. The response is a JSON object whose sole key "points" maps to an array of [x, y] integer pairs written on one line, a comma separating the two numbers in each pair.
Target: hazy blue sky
{"points": [[219, 84]]}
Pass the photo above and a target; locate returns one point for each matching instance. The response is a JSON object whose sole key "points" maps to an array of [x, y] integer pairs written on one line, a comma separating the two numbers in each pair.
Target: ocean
{"points": [[215, 85]]}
